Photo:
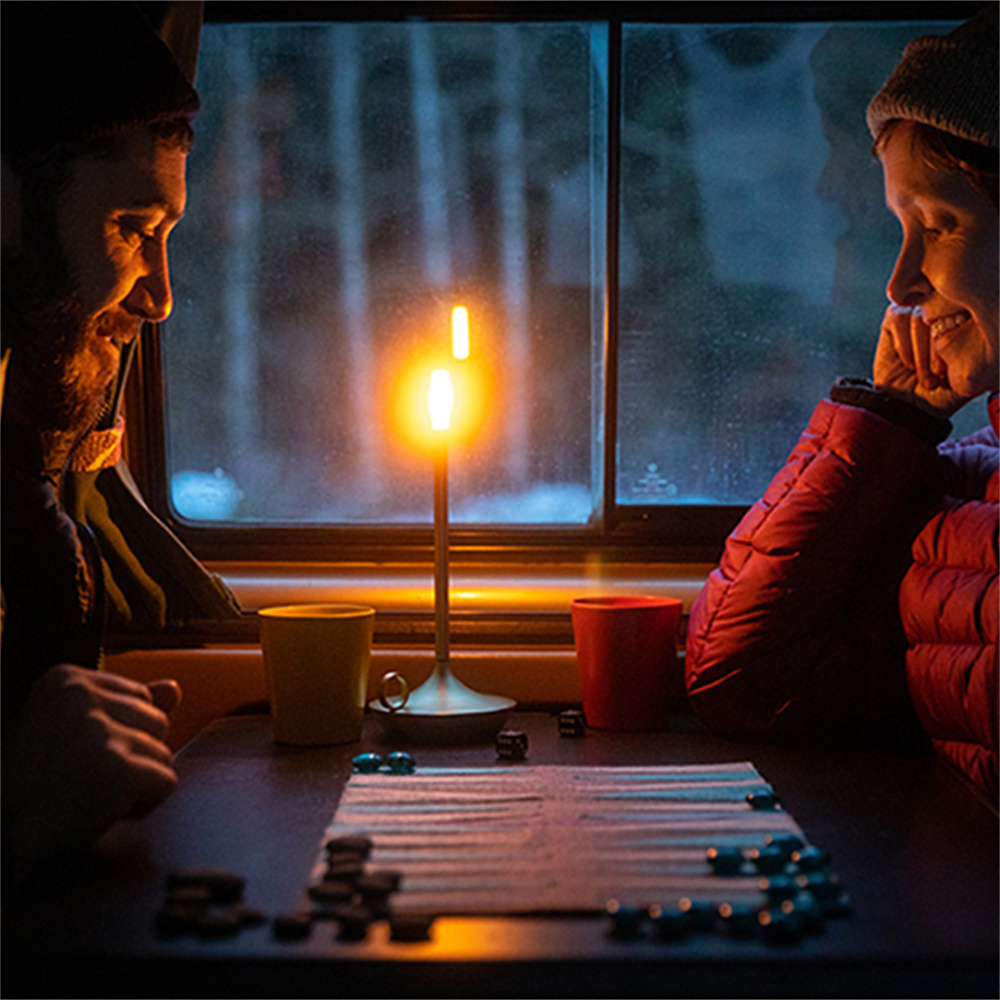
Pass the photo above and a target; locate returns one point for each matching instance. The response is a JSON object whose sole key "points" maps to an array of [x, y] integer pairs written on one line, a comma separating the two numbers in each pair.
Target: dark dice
{"points": [[572, 723], [512, 744]]}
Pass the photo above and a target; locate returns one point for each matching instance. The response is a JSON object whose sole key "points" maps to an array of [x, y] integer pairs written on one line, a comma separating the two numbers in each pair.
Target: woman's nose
{"points": [[908, 285]]}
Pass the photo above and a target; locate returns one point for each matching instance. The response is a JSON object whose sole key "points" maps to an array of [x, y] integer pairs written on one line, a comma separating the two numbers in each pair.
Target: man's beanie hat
{"points": [[72, 72], [949, 82]]}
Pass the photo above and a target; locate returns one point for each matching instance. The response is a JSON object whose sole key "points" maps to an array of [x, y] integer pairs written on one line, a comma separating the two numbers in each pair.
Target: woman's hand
{"points": [[907, 365]]}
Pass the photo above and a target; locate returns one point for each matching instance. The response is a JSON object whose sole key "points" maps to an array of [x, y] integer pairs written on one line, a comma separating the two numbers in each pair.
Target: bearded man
{"points": [[96, 128]]}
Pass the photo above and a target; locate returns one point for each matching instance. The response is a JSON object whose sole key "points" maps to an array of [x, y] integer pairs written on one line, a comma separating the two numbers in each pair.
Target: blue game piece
{"points": [[400, 762], [367, 763], [778, 888], [668, 925], [810, 859], [725, 860], [736, 919], [768, 860], [626, 921], [787, 842], [780, 926], [762, 801], [698, 913]]}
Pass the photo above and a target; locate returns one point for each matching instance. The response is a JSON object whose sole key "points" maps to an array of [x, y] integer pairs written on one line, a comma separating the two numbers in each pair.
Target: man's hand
{"points": [[86, 749], [907, 366]]}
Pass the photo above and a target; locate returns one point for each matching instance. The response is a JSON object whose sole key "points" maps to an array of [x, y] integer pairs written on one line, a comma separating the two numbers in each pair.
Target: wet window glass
{"points": [[352, 183]]}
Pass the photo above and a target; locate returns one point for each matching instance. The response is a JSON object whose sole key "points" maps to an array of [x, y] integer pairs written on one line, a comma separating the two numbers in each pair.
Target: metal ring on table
{"points": [[383, 695]]}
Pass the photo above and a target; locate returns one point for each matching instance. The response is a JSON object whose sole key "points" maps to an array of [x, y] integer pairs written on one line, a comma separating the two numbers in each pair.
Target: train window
{"points": [[669, 237]]}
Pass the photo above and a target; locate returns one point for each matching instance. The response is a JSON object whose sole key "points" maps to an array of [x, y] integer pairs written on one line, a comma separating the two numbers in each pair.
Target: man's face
{"points": [[107, 264]]}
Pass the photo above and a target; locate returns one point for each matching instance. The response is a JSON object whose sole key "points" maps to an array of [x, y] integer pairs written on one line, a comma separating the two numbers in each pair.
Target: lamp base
{"points": [[443, 710]]}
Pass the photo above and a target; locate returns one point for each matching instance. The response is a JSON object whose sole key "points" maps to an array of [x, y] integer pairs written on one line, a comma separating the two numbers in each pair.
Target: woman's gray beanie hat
{"points": [[949, 82]]}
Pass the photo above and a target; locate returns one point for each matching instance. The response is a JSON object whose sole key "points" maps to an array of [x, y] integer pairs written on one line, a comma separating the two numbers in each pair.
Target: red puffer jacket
{"points": [[859, 597]]}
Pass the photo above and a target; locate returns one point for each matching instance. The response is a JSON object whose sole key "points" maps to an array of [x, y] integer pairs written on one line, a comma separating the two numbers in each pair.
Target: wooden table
{"points": [[914, 847]]}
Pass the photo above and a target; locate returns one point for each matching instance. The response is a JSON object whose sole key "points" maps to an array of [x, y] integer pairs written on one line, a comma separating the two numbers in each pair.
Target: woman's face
{"points": [[947, 264]]}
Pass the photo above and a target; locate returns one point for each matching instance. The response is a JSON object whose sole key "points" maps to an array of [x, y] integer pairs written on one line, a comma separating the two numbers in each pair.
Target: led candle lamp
{"points": [[442, 709]]}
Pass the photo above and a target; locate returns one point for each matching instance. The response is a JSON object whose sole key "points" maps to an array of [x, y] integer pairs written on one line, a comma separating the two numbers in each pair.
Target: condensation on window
{"points": [[758, 245], [351, 183]]}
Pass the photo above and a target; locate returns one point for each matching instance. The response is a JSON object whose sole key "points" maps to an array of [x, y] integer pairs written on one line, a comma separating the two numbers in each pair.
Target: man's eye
{"points": [[134, 232]]}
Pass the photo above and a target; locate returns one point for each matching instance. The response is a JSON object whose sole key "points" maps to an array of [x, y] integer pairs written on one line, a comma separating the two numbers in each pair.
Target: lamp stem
{"points": [[441, 611]]}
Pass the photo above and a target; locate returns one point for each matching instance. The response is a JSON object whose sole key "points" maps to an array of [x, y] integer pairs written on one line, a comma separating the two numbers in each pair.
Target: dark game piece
{"points": [[725, 860], [353, 923], [224, 886], [410, 927], [344, 868], [382, 882], [512, 744], [357, 844], [366, 763], [220, 922], [331, 890], [291, 926], [572, 723], [400, 762]]}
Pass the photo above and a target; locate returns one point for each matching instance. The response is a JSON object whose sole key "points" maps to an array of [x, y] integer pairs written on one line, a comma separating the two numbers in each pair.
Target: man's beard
{"points": [[61, 362]]}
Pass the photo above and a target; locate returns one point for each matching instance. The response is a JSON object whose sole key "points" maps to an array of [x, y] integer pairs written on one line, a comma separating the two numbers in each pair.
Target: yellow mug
{"points": [[316, 658]]}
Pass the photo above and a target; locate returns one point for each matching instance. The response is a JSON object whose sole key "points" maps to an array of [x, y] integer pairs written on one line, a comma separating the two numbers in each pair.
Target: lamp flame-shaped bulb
{"points": [[440, 399], [460, 333]]}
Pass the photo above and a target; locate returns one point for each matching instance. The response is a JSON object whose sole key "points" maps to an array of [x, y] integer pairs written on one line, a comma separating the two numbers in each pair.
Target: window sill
{"points": [[492, 604], [479, 591]]}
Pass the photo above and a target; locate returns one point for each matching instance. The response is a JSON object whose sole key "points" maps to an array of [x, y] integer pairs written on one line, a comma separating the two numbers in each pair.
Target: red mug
{"points": [[626, 653]]}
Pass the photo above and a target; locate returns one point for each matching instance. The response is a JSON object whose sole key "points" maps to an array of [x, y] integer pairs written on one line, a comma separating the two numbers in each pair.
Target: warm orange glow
{"points": [[406, 372], [460, 333], [440, 399], [472, 388]]}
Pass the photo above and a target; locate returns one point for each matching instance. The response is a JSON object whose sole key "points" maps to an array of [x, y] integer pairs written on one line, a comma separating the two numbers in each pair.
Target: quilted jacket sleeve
{"points": [[949, 602], [797, 634]]}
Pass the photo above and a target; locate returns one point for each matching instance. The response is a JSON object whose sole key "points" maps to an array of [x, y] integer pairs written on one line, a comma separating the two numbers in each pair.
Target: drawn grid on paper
{"points": [[526, 839]]}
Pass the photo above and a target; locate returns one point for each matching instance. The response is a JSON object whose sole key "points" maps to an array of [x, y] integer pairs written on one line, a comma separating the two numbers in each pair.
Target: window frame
{"points": [[621, 533]]}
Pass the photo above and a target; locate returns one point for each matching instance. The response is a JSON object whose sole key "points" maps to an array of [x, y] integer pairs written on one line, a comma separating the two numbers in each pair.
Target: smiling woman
{"points": [[858, 598]]}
